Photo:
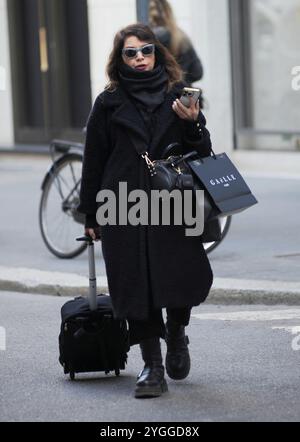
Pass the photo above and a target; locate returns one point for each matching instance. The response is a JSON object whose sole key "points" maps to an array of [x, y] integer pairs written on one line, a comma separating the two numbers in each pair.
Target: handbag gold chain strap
{"points": [[151, 165]]}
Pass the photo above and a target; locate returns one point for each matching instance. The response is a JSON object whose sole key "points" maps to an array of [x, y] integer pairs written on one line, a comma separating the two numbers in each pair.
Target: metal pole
{"points": [[142, 8], [92, 278]]}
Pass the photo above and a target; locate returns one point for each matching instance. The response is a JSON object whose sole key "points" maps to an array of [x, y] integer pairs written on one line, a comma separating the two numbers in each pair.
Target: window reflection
{"points": [[275, 50]]}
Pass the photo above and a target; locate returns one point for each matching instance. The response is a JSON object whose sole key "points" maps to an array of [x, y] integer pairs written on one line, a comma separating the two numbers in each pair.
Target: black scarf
{"points": [[147, 89]]}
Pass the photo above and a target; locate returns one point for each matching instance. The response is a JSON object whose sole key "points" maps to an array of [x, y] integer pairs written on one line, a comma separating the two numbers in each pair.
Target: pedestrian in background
{"points": [[148, 267], [164, 26]]}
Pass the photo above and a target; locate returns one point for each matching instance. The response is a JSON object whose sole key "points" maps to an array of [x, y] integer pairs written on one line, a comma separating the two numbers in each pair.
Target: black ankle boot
{"points": [[151, 381], [178, 362]]}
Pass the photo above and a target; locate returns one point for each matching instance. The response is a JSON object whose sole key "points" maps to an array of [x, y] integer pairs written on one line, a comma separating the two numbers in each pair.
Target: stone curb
{"points": [[249, 296], [46, 283], [46, 289], [224, 291]]}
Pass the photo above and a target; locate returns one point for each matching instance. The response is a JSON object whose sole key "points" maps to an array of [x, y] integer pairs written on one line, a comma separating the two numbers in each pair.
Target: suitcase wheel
{"points": [[72, 375], [107, 372]]}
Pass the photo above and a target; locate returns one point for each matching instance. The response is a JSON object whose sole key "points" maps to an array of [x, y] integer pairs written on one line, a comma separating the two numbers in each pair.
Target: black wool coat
{"points": [[147, 266]]}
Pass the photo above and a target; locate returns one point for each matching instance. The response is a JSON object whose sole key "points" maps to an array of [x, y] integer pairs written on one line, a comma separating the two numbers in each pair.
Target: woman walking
{"points": [[148, 267], [164, 26]]}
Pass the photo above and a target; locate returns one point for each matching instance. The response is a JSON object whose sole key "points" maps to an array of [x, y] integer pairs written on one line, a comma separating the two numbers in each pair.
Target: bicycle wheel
{"points": [[225, 225], [60, 223]]}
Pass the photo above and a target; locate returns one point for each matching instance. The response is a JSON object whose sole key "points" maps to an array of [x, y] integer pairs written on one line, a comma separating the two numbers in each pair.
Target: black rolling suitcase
{"points": [[90, 339]]}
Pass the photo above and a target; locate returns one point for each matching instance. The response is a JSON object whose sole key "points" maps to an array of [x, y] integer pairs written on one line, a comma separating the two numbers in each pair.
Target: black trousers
{"points": [[155, 326]]}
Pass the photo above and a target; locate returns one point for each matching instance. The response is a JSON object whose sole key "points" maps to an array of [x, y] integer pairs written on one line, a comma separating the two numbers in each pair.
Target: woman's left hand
{"points": [[187, 113]]}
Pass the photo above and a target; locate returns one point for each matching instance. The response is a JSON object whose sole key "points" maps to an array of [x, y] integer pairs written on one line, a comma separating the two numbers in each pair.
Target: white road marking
{"points": [[257, 285], [2, 339], [293, 330], [258, 315]]}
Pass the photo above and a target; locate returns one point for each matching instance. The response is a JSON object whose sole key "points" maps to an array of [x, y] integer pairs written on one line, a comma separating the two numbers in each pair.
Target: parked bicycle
{"points": [[59, 220]]}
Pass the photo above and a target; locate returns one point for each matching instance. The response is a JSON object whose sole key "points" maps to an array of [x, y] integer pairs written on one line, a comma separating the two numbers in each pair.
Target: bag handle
{"points": [[150, 164], [186, 157], [92, 272], [201, 159]]}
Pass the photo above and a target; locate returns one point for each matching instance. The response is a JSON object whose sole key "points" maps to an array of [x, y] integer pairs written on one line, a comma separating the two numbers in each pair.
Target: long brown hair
{"points": [[143, 33], [161, 14]]}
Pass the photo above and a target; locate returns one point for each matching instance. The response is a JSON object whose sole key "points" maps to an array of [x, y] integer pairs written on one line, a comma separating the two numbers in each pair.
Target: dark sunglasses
{"points": [[145, 50]]}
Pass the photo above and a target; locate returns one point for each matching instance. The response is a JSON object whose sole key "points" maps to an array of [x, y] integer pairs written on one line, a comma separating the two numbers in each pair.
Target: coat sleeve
{"points": [[197, 137], [96, 153]]}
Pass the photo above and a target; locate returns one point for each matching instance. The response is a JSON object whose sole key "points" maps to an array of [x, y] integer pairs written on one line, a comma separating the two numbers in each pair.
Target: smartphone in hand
{"points": [[187, 93]]}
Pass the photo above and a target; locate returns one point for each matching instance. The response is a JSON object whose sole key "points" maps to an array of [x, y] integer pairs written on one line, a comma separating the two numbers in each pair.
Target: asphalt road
{"points": [[263, 242], [245, 367]]}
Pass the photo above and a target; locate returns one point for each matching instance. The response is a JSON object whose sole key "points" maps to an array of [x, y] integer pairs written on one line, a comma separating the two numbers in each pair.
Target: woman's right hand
{"points": [[94, 233]]}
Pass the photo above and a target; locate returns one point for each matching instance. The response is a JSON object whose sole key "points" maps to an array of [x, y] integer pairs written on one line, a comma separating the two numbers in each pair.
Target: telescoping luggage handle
{"points": [[92, 272]]}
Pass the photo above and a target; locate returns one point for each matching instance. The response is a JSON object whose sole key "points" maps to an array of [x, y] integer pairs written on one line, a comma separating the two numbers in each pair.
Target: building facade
{"points": [[53, 55]]}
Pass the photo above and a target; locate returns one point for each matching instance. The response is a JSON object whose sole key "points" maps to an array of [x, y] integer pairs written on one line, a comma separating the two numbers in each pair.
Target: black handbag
{"points": [[174, 173]]}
